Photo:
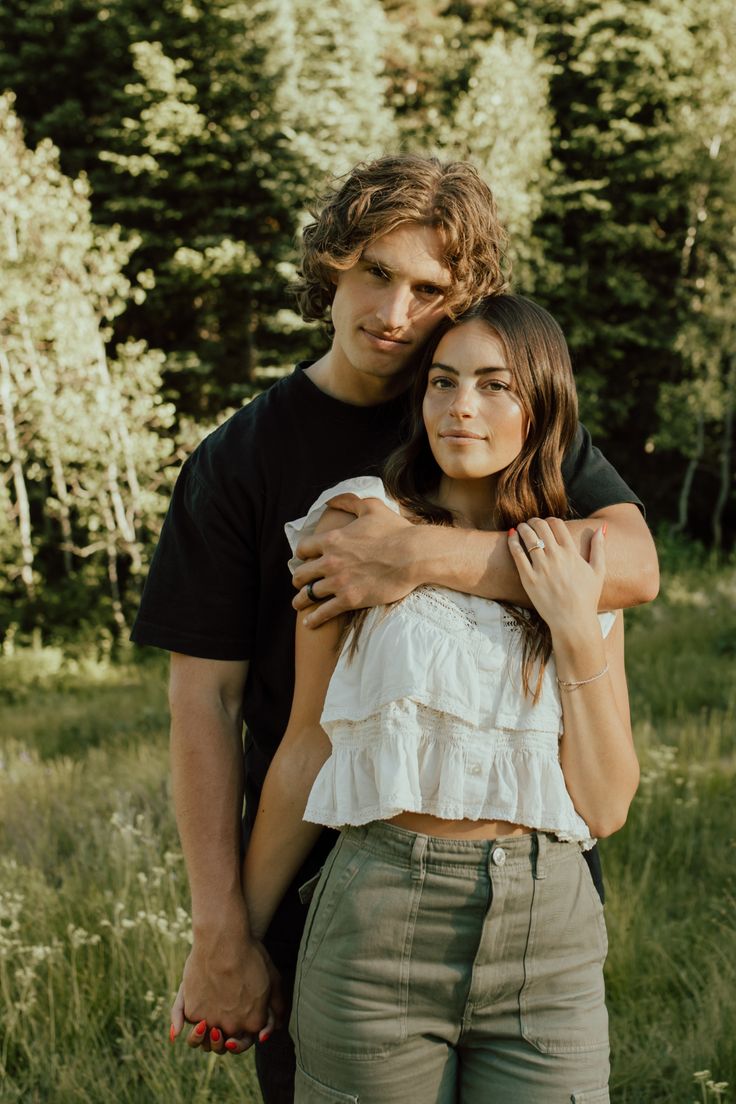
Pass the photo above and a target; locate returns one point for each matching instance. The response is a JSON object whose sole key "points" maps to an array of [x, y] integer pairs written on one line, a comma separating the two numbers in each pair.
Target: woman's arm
{"points": [[596, 751], [281, 839]]}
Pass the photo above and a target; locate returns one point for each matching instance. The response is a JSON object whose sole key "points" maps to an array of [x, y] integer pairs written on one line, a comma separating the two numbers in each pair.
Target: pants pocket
{"points": [[309, 1091], [562, 1001], [352, 986], [336, 878]]}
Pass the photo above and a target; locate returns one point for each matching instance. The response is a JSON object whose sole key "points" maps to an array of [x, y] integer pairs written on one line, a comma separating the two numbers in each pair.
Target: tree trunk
{"points": [[725, 458], [126, 519], [112, 567], [51, 435], [16, 467], [687, 483]]}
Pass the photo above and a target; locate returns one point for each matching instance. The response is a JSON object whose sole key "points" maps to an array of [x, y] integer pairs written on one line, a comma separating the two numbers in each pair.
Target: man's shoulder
{"points": [[250, 435], [258, 415]]}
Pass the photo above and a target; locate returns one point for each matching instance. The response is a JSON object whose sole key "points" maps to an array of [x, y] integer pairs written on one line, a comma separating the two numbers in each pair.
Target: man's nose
{"points": [[394, 308]]}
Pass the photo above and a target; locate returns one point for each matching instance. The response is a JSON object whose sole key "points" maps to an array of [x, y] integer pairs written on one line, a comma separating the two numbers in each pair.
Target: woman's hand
{"points": [[232, 1031], [564, 587]]}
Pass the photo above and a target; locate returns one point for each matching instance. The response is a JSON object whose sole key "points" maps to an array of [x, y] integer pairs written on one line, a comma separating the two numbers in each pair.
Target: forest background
{"points": [[158, 161], [156, 164]]}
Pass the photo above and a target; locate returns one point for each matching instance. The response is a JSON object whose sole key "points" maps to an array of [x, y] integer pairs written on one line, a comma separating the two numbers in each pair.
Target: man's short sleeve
{"points": [[201, 592], [591, 482]]}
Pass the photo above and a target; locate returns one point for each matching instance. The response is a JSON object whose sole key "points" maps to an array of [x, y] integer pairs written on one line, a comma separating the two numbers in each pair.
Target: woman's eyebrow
{"points": [[478, 371]]}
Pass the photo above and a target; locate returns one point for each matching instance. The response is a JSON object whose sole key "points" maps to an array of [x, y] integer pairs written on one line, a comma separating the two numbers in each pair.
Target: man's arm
{"points": [[381, 557], [226, 978]]}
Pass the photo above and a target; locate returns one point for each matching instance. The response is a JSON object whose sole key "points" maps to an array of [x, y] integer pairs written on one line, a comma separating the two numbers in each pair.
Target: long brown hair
{"points": [[536, 353], [378, 196]]}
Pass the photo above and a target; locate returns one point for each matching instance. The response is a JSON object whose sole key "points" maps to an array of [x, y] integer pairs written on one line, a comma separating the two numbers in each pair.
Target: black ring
{"points": [[310, 592]]}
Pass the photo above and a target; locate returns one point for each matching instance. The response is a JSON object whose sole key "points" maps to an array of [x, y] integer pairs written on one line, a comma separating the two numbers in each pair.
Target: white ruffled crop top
{"points": [[429, 715]]}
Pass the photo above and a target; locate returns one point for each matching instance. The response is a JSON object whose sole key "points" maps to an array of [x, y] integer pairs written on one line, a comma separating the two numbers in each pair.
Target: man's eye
{"points": [[430, 289], [379, 273]]}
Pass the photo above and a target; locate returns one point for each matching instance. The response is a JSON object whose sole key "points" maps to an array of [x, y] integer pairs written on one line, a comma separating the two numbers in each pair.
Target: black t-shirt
{"points": [[219, 586]]}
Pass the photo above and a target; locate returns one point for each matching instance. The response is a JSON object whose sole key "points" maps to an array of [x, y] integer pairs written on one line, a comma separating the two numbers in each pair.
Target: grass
{"points": [[94, 926], [93, 902]]}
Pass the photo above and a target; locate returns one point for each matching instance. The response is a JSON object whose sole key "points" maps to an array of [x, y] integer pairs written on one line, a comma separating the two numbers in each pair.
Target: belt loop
{"points": [[418, 851], [539, 855]]}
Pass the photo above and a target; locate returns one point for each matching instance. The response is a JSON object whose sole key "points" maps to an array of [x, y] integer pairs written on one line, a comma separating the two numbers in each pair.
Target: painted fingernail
{"points": [[264, 1036], [172, 1034], [604, 527], [511, 532], [231, 1045], [201, 1027], [215, 1035]]}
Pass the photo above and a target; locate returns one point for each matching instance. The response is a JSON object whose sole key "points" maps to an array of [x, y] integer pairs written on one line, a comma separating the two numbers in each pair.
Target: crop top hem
{"points": [[443, 811]]}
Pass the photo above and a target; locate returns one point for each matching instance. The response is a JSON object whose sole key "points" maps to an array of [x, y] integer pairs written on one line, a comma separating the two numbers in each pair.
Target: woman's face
{"points": [[472, 414]]}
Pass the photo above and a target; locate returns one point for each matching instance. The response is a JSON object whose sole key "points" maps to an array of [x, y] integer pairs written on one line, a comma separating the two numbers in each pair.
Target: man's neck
{"points": [[342, 382]]}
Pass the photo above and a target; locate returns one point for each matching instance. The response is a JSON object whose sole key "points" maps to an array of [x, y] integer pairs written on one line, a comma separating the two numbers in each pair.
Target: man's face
{"points": [[387, 305]]}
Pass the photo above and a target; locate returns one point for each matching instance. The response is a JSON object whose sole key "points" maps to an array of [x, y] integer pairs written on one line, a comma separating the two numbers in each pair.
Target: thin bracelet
{"points": [[583, 682]]}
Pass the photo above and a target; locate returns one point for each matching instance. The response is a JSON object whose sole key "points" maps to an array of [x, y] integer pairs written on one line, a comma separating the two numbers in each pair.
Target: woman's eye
{"points": [[440, 383], [496, 385]]}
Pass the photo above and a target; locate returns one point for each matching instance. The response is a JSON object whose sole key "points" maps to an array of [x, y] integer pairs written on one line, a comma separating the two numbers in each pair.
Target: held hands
{"points": [[230, 1000], [365, 563], [564, 587]]}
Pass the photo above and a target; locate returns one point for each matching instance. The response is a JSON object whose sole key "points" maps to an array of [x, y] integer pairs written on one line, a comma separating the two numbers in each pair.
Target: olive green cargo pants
{"points": [[438, 971]]}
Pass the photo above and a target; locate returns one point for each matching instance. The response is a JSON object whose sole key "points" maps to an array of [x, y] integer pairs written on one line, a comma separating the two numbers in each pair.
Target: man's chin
{"points": [[385, 370]]}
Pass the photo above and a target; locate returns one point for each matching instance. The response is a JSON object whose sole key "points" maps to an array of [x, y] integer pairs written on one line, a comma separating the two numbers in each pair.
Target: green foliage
{"points": [[336, 79], [478, 97], [79, 429], [204, 129]]}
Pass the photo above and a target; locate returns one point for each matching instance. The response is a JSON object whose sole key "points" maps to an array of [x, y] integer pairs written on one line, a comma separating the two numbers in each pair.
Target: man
{"points": [[400, 244]]}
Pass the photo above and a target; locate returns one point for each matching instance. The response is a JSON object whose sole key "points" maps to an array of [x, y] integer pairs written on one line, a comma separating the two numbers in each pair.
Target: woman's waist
{"points": [[406, 847], [462, 829]]}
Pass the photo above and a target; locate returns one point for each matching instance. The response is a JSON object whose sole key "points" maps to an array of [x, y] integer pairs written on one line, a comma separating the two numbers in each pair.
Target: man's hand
{"points": [[231, 996], [364, 563]]}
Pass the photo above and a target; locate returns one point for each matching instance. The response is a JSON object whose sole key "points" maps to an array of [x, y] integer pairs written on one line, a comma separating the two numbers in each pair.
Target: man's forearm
{"points": [[480, 563], [207, 779]]}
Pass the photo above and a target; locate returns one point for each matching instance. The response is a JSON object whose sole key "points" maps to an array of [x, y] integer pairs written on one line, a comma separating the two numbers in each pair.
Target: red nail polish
{"points": [[201, 1027], [215, 1035], [231, 1045], [511, 532], [172, 1034], [605, 526], [264, 1036]]}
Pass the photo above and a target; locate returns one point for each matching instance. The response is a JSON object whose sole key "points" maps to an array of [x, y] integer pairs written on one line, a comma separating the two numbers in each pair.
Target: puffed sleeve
{"points": [[364, 486]]}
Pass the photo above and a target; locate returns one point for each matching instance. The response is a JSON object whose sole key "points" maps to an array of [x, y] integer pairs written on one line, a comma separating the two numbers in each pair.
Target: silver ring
{"points": [[534, 547], [310, 592]]}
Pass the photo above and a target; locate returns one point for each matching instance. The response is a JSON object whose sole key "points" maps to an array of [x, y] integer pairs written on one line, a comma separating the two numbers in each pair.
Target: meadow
{"points": [[94, 924]]}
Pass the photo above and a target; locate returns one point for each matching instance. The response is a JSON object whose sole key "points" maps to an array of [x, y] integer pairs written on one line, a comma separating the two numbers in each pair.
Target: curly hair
{"points": [[378, 196]]}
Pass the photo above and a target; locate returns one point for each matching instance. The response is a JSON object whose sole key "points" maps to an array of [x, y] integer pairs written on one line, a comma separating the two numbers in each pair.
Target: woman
{"points": [[470, 753]]}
